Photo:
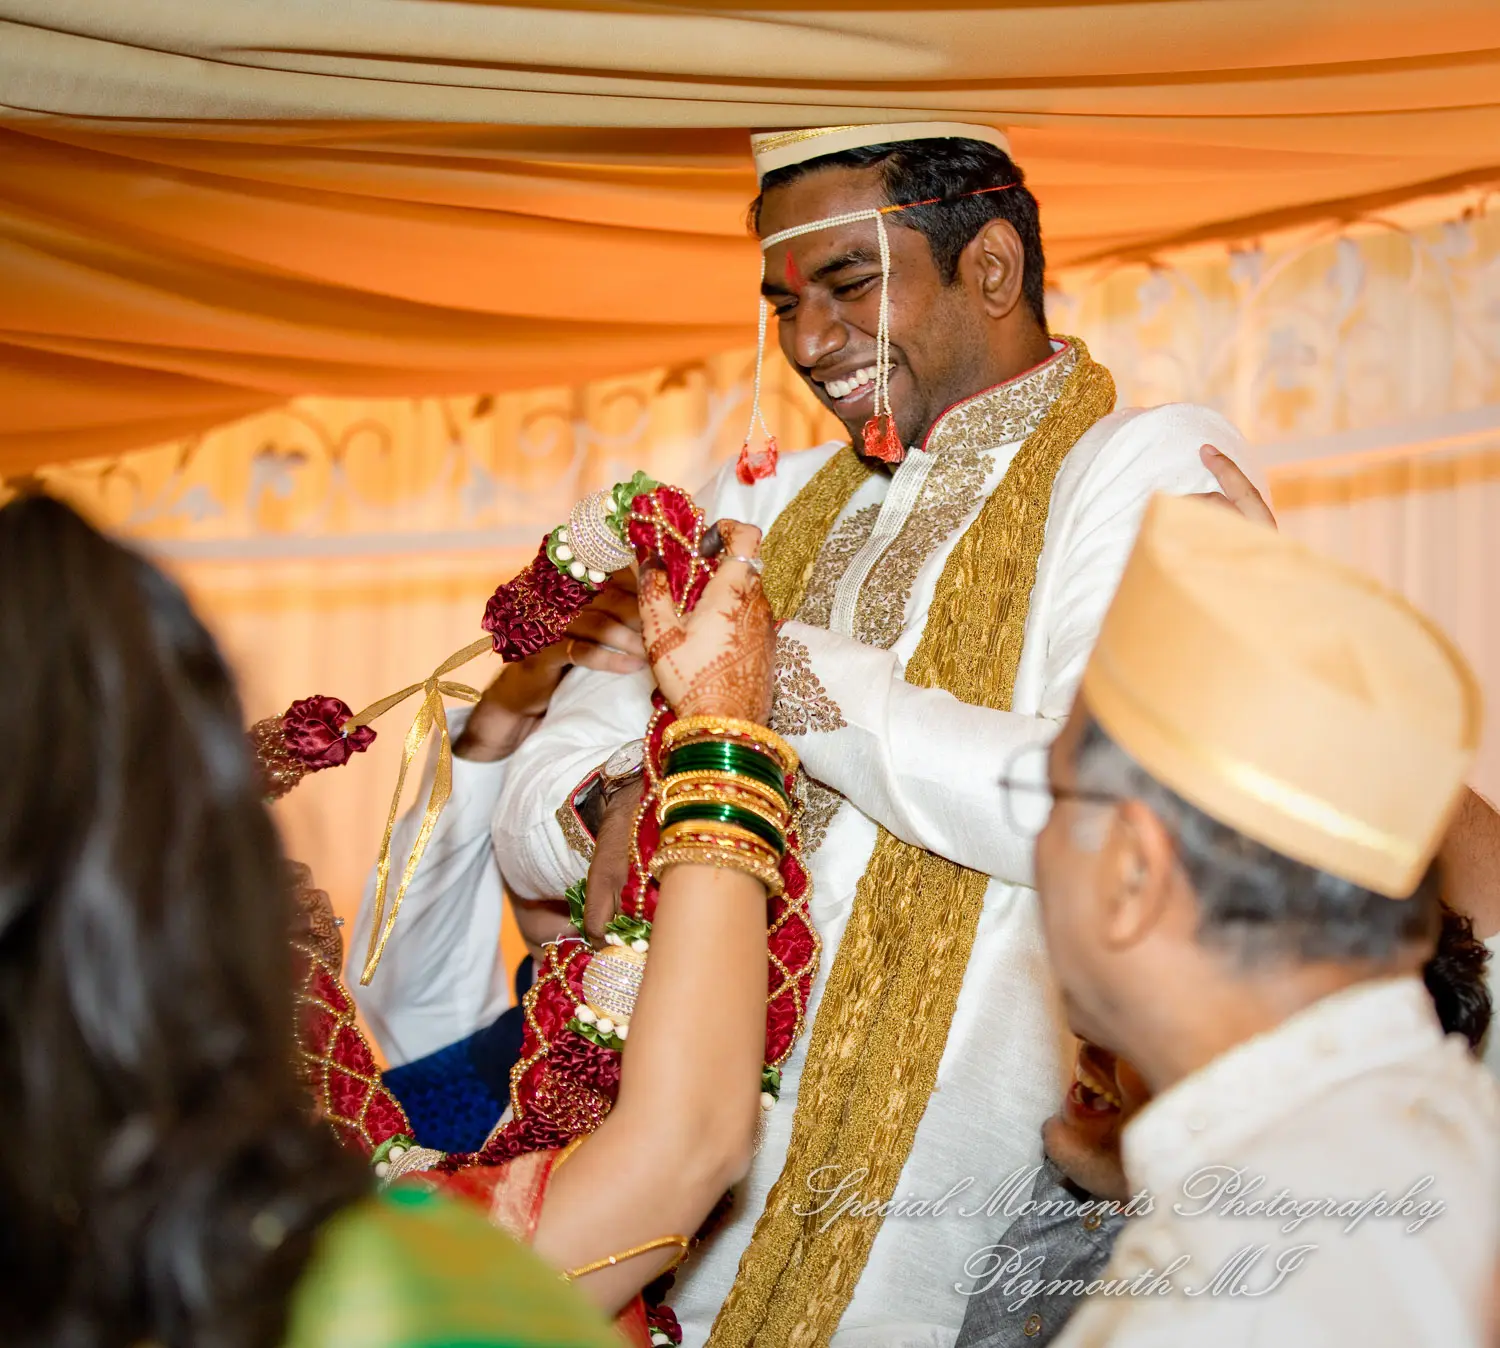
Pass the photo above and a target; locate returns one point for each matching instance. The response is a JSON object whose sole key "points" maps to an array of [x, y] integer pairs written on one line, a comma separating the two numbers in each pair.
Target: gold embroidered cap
{"points": [[1293, 699], [777, 149]]}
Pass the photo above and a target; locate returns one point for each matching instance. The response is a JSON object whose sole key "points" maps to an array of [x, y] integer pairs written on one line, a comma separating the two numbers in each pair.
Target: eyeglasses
{"points": [[1029, 796]]}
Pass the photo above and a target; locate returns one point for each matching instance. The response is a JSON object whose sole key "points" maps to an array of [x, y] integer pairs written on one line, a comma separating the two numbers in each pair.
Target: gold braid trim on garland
{"points": [[880, 1031]]}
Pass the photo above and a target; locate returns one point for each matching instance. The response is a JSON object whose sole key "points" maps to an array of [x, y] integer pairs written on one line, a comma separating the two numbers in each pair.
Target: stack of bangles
{"points": [[723, 798]]}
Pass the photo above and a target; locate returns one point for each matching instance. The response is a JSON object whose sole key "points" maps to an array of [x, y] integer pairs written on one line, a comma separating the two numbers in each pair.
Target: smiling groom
{"points": [[944, 573]]}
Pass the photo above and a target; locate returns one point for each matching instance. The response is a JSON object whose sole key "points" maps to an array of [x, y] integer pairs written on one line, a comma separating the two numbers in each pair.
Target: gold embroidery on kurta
{"points": [[962, 443], [841, 548], [573, 831], [801, 704], [817, 806]]}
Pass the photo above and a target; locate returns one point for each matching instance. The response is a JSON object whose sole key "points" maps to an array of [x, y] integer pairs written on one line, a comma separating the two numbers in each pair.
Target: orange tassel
{"points": [[752, 468], [882, 440]]}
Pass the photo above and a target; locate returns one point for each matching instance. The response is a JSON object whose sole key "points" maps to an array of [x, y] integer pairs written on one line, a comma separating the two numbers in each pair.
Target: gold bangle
{"points": [[661, 1242], [713, 834], [740, 845], [727, 779], [687, 855], [714, 777], [750, 851], [565, 1153], [698, 727], [707, 794]]}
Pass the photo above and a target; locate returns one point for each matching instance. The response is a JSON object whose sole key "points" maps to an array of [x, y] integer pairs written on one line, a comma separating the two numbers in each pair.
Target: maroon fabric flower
{"points": [[582, 1060], [664, 1318], [314, 733], [532, 611]]}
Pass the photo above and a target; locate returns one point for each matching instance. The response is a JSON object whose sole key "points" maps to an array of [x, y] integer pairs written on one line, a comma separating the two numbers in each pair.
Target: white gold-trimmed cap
{"points": [[777, 149]]}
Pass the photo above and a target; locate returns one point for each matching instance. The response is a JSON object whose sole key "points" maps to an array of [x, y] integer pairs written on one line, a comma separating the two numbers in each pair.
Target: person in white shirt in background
{"points": [[438, 1005], [1237, 887]]}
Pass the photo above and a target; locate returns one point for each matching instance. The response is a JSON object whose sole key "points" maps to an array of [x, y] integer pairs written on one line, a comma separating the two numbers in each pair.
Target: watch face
{"points": [[626, 759]]}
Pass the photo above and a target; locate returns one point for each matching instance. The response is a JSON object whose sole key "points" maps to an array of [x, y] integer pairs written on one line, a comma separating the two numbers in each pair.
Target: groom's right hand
{"points": [[611, 863]]}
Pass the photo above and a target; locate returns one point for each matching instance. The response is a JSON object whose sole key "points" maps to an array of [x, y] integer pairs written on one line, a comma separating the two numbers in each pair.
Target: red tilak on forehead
{"points": [[793, 274]]}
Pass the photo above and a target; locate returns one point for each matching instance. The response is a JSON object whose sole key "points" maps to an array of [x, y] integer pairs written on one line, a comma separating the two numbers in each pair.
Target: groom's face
{"points": [[824, 290]]}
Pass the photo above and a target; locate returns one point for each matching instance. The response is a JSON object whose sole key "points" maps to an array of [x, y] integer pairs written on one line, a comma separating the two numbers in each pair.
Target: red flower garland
{"points": [[563, 1085], [529, 613]]}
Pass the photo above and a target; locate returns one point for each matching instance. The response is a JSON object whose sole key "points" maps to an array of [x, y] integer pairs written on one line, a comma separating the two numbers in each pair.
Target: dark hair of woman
{"points": [[160, 1181]]}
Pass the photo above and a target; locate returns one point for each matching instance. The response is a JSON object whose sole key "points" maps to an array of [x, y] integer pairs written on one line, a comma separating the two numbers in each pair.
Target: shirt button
{"points": [[1092, 1221], [1032, 1327]]}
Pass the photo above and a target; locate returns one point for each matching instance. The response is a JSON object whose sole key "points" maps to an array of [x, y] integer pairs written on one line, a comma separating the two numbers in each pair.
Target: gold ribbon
{"points": [[883, 1022], [430, 714]]}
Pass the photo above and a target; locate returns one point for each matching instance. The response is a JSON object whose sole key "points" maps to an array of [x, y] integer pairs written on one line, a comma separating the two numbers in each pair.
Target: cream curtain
{"points": [[209, 209], [1425, 520], [346, 546]]}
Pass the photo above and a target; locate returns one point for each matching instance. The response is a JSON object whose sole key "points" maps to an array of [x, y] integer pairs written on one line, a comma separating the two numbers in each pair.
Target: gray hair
{"points": [[1252, 901]]}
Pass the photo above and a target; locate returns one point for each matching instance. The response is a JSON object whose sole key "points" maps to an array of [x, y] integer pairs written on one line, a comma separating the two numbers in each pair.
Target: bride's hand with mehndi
{"points": [[682, 1130], [720, 659]]}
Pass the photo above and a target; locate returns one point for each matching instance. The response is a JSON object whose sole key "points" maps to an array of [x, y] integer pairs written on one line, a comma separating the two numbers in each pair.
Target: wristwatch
{"points": [[626, 765]]}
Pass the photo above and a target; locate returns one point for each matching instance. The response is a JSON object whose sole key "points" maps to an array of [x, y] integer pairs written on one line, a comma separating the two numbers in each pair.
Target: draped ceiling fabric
{"points": [[208, 209]]}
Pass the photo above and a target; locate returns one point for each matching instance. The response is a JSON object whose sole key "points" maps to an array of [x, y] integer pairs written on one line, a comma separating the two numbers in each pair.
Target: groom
{"points": [[939, 610]]}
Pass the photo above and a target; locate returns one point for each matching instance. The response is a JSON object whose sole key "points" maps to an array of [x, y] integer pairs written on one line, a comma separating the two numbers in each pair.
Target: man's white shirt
{"points": [[1356, 1107], [441, 977]]}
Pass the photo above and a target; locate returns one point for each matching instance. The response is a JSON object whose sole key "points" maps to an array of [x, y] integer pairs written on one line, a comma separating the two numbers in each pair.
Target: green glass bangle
{"points": [[727, 814], [727, 750], [721, 757]]}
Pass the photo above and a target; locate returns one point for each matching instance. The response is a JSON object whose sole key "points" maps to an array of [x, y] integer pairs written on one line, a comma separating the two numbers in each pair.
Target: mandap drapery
{"points": [[206, 210], [345, 545]]}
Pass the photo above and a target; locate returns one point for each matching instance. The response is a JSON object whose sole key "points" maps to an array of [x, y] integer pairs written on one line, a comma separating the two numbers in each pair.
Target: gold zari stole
{"points": [[879, 1033]]}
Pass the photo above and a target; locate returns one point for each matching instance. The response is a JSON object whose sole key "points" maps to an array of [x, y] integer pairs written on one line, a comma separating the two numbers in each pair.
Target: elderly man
{"points": [[943, 578], [1237, 892], [1031, 1278]]}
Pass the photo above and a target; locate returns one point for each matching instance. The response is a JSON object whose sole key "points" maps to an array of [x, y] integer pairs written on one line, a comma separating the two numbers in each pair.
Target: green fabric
{"points": [[727, 814], [411, 1269]]}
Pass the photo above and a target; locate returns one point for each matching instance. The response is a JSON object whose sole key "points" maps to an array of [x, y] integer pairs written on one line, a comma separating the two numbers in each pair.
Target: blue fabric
{"points": [[455, 1095]]}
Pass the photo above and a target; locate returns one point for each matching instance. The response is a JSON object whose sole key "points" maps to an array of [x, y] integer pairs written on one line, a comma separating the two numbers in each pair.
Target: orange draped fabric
{"points": [[208, 209]]}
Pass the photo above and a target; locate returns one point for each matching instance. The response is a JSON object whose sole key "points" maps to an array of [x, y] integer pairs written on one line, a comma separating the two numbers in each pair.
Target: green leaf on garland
{"points": [[576, 894], [628, 928], [591, 1033], [624, 494]]}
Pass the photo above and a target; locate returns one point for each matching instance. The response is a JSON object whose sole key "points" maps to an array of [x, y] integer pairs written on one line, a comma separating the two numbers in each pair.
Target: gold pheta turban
{"points": [[1287, 696]]}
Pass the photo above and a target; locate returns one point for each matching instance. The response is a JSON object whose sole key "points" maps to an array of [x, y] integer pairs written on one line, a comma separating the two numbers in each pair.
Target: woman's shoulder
{"points": [[415, 1269]]}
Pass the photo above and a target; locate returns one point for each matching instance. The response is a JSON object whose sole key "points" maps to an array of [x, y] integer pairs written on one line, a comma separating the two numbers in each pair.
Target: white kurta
{"points": [[441, 977], [924, 765], [1357, 1097]]}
